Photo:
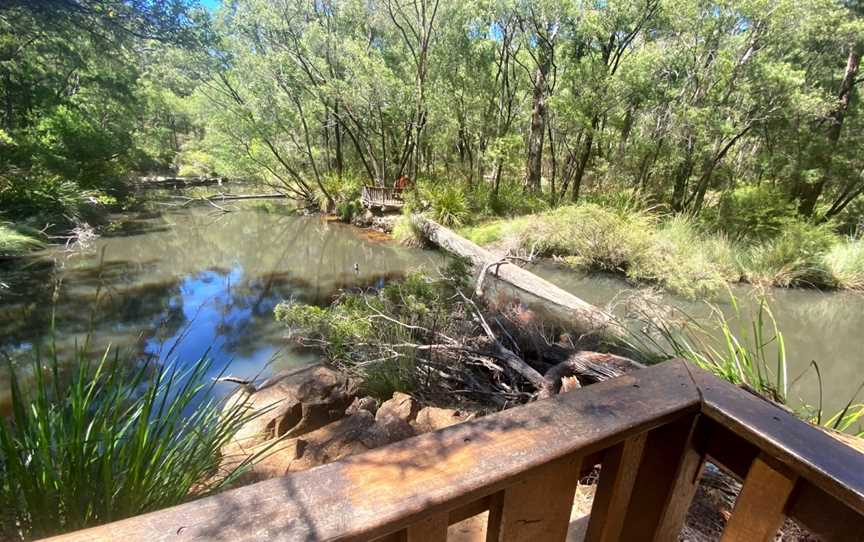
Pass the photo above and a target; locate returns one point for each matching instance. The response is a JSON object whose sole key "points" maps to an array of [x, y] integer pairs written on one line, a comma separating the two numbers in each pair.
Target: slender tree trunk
{"points": [[682, 176], [584, 158], [538, 121], [8, 108], [809, 193]]}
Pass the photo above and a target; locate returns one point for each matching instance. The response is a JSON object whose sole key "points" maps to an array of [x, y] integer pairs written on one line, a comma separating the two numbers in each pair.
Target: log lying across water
{"points": [[540, 295], [179, 182]]}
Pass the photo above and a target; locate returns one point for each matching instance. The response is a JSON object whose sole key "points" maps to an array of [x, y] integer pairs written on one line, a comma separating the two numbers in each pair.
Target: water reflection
{"points": [[826, 327], [204, 282]]}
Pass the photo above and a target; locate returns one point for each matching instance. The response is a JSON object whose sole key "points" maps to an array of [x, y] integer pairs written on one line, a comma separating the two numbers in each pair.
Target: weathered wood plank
{"points": [[537, 506], [827, 463], [666, 482], [431, 529], [758, 511], [617, 477], [823, 515], [811, 507], [385, 490]]}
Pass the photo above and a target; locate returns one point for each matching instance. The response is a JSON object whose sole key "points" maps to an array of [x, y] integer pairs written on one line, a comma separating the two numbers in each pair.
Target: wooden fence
{"points": [[382, 197], [651, 431]]}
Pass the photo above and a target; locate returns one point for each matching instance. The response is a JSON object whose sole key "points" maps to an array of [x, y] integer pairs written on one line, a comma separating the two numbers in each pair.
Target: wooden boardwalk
{"points": [[380, 197], [651, 432]]}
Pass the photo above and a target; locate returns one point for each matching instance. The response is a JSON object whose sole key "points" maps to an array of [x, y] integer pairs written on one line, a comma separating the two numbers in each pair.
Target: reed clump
{"points": [[105, 441]]}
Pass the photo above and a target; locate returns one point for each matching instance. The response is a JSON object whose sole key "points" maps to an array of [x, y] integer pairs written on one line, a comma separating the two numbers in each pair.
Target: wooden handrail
{"points": [[382, 196], [651, 432]]}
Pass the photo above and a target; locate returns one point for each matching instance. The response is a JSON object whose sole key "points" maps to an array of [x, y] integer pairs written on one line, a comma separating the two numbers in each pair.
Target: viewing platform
{"points": [[383, 198], [651, 433]]}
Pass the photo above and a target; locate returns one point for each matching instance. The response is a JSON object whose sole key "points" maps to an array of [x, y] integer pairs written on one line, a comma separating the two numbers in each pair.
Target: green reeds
{"points": [[109, 441]]}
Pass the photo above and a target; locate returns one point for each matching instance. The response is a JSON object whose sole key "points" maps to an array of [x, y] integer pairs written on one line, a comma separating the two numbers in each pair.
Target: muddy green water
{"points": [[213, 279], [177, 285], [826, 327]]}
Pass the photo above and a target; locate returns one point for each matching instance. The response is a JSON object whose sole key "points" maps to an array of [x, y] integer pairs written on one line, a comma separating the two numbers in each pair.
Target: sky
{"points": [[211, 5]]}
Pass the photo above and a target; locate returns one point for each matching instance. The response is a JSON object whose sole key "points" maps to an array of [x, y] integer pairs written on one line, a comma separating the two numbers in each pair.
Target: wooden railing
{"points": [[651, 431], [380, 196]]}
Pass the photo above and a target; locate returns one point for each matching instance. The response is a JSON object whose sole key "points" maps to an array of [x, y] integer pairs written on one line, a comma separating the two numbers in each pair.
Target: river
{"points": [[185, 282]]}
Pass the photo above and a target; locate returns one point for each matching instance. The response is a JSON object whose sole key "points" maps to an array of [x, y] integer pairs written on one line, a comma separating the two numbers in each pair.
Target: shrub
{"points": [[590, 236], [110, 442], [449, 205], [748, 351], [15, 241], [795, 257], [511, 200], [754, 213], [347, 210], [685, 261], [845, 263], [371, 334]]}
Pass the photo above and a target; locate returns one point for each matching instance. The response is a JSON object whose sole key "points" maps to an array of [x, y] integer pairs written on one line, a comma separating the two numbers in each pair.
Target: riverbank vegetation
{"points": [[101, 439], [427, 336], [690, 256], [495, 109]]}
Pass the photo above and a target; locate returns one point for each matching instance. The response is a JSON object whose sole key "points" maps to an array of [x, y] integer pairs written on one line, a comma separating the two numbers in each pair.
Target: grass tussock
{"points": [[14, 241], [677, 252], [746, 351], [635, 242], [109, 442], [845, 262]]}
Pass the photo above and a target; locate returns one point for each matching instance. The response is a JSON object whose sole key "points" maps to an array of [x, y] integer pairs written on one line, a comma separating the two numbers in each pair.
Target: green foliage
{"points": [[687, 262], [372, 334], [449, 205], [845, 263], [750, 352], [14, 241], [755, 213], [108, 442], [626, 239], [795, 257], [510, 200], [347, 210]]}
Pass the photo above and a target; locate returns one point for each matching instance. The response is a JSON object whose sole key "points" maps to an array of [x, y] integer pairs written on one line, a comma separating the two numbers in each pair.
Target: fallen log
{"points": [[179, 182], [538, 294], [235, 197]]}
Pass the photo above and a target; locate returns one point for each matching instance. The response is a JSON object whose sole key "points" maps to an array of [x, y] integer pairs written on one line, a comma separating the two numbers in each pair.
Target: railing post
{"points": [[617, 477], [759, 508], [666, 482], [537, 506]]}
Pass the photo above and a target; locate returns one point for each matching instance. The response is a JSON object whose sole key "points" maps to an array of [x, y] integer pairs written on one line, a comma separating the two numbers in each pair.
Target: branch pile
{"points": [[431, 337]]}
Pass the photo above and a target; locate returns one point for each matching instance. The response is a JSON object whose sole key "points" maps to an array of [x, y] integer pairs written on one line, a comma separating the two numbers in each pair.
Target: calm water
{"points": [[210, 280], [826, 327], [213, 280]]}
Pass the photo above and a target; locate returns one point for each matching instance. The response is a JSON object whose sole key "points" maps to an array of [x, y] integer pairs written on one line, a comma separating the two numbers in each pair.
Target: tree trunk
{"points": [[809, 193], [538, 122], [584, 158], [541, 296], [682, 176]]}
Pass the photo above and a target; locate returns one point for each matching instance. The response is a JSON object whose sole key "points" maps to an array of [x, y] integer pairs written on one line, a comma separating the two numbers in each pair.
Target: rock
{"points": [[395, 429], [353, 434], [569, 383], [401, 406], [433, 418], [292, 404], [369, 404]]}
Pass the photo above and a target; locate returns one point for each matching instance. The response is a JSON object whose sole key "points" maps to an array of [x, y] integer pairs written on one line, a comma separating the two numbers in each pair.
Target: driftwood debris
{"points": [[178, 182], [533, 291]]}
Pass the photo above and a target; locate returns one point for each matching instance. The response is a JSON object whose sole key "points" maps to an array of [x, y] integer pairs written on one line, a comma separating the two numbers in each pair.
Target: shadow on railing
{"points": [[651, 431]]}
